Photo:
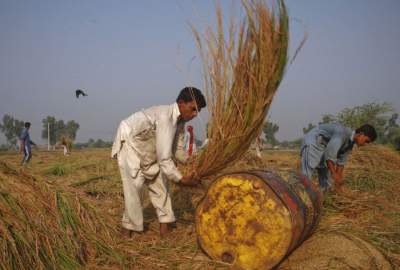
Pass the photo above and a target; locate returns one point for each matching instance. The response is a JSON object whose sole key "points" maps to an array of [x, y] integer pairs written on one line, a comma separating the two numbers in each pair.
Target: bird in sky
{"points": [[79, 92]]}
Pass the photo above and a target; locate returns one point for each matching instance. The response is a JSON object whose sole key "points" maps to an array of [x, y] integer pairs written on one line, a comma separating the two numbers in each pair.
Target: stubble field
{"points": [[64, 212]]}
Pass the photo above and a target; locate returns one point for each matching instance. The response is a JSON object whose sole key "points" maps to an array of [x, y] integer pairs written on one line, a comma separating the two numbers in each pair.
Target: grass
{"points": [[59, 169]]}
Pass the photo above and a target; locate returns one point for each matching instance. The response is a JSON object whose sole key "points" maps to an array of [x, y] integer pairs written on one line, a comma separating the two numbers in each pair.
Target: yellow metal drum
{"points": [[254, 219]]}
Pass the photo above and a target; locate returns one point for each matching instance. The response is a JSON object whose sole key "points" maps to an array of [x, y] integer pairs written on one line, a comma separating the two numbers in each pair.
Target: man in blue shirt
{"points": [[326, 147], [25, 144]]}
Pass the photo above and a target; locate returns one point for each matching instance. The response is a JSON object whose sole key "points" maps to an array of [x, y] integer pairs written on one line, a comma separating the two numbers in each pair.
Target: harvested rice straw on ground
{"points": [[242, 74], [41, 228]]}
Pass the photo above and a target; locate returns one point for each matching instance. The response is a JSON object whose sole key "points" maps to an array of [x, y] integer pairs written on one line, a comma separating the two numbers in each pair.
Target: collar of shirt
{"points": [[175, 112], [352, 136], [349, 145]]}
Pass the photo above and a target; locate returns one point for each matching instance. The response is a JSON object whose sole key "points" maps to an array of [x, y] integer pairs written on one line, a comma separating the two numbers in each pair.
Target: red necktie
{"points": [[190, 151]]}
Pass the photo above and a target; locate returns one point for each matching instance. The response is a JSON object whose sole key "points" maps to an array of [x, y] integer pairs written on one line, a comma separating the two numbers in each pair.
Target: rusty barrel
{"points": [[253, 219]]}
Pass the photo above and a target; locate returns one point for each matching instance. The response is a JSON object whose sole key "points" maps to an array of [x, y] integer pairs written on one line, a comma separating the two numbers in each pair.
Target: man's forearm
{"points": [[331, 166], [336, 172]]}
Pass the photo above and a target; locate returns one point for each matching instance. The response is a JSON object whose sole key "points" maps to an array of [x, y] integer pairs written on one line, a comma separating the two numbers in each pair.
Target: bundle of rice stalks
{"points": [[45, 229], [242, 74]]}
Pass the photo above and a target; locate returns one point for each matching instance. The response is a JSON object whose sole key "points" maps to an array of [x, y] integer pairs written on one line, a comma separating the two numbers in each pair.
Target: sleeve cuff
{"points": [[334, 160], [178, 177], [169, 169]]}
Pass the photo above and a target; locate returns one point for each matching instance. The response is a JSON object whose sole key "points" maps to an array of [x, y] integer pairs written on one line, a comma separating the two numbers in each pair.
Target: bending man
{"points": [[326, 147], [144, 145]]}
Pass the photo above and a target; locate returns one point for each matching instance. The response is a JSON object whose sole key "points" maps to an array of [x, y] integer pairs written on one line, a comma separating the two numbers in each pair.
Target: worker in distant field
{"points": [[25, 144], [326, 147], [144, 145], [67, 145], [189, 141]]}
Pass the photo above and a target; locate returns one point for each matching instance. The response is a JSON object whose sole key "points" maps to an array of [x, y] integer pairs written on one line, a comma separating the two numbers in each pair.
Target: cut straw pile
{"points": [[41, 228], [369, 206], [242, 74]]}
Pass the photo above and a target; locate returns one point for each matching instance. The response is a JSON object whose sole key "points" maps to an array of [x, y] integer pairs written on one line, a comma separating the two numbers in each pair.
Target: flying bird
{"points": [[80, 92]]}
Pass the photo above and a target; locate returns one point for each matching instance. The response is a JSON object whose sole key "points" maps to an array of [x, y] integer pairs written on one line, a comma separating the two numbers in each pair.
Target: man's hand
{"points": [[189, 180], [339, 171], [338, 181], [337, 174]]}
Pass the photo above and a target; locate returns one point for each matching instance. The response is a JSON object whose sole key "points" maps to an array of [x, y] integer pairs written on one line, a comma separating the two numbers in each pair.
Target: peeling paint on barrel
{"points": [[252, 219]]}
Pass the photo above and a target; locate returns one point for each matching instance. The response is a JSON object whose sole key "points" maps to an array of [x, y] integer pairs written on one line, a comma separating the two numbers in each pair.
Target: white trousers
{"points": [[132, 183], [65, 150]]}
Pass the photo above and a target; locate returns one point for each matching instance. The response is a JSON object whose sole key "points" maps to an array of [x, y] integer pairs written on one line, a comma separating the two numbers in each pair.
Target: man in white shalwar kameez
{"points": [[144, 146]]}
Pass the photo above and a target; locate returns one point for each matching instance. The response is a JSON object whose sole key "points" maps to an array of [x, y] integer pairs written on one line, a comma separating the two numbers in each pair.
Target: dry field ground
{"points": [[82, 198]]}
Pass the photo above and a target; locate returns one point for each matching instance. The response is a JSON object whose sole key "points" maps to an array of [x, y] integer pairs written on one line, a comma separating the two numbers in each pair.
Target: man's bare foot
{"points": [[126, 233], [129, 233], [165, 229]]}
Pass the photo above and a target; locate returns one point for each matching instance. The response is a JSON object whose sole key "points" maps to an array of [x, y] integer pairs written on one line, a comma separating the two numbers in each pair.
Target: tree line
{"points": [[56, 128], [12, 128], [381, 115]]}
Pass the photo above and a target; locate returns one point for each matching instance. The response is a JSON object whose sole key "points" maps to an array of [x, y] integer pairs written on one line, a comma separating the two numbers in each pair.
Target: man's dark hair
{"points": [[27, 124], [368, 131], [188, 93]]}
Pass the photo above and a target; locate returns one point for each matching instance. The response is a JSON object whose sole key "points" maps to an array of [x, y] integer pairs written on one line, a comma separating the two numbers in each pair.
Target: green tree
{"points": [[393, 120], [58, 129], [90, 142], [392, 131], [380, 115], [328, 118], [308, 128], [393, 137], [101, 144], [71, 129], [11, 128], [373, 113], [270, 129]]}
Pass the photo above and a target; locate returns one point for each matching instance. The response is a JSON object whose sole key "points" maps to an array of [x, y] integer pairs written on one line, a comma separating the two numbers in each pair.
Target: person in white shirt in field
{"points": [[144, 145]]}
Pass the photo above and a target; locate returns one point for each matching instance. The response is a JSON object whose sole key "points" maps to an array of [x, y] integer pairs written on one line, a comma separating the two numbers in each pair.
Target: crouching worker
{"points": [[144, 146], [326, 147]]}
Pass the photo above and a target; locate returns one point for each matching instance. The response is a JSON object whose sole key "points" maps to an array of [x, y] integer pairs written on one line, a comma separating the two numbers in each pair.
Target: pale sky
{"points": [[129, 55]]}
